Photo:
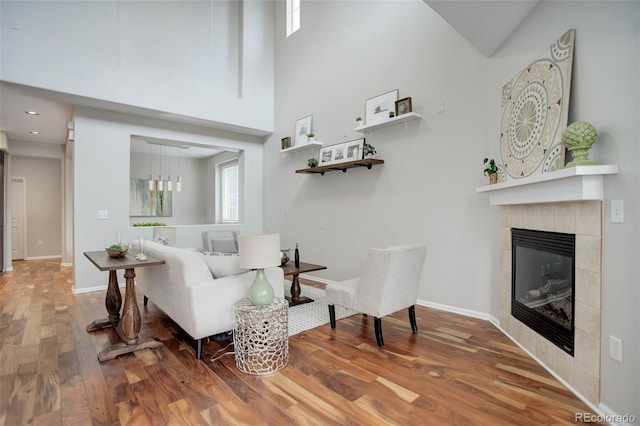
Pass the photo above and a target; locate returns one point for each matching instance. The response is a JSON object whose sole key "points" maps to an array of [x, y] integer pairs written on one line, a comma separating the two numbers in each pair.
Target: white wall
{"points": [[208, 60], [425, 190], [604, 92], [44, 204], [101, 175]]}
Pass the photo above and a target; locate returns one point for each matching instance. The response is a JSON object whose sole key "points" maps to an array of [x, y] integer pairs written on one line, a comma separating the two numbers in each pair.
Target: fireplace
{"points": [[543, 284]]}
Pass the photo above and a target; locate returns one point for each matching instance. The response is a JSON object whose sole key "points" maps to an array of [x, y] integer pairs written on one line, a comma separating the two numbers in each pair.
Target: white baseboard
{"points": [[8, 269], [320, 280], [454, 309], [96, 288], [42, 257], [66, 265]]}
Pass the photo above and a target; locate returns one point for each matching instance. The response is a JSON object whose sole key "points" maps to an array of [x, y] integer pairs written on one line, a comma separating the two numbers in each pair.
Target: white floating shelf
{"points": [[404, 118], [301, 146], [572, 184]]}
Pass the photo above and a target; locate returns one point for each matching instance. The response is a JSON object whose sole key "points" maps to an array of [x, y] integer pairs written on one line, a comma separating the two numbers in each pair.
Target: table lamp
{"points": [[259, 252]]}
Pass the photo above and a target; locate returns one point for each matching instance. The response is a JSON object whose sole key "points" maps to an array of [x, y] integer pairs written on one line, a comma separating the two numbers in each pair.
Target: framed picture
{"points": [[377, 109], [403, 106], [145, 203], [286, 143], [303, 126], [341, 152]]}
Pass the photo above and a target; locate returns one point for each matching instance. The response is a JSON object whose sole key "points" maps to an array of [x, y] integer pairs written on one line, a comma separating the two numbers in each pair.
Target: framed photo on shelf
{"points": [[286, 142], [342, 152], [403, 106], [377, 108], [303, 126]]}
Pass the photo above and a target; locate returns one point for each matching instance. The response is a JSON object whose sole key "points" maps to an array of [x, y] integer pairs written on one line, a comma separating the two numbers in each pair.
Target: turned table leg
{"points": [[113, 303], [295, 298], [295, 288], [129, 325], [131, 320]]}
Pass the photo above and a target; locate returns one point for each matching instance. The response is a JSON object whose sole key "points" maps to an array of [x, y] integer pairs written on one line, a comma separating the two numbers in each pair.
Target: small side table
{"points": [[290, 269], [128, 325], [261, 336]]}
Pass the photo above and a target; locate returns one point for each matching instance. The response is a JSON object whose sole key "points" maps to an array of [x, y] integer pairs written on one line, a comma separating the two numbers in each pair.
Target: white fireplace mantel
{"points": [[571, 184]]}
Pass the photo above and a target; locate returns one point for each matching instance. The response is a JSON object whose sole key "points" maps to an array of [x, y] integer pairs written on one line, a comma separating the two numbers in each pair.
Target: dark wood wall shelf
{"points": [[367, 162]]}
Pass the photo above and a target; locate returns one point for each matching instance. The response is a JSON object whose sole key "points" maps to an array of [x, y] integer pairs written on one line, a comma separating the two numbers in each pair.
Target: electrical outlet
{"points": [[103, 214], [617, 211], [40, 243], [615, 348]]}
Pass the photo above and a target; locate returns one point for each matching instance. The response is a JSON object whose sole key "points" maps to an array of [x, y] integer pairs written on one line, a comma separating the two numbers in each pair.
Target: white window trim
{"points": [[293, 16], [219, 208]]}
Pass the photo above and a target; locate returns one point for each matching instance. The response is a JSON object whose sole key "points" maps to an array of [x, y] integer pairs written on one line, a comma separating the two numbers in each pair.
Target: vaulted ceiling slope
{"points": [[485, 24]]}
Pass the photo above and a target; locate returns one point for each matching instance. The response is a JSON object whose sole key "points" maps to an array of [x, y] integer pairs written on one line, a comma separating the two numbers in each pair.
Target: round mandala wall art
{"points": [[535, 107]]}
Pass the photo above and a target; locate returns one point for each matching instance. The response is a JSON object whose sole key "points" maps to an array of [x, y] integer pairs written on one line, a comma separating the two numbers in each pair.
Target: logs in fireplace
{"points": [[543, 284]]}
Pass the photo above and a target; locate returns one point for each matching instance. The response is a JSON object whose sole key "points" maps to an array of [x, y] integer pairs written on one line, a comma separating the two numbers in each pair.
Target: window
{"points": [[293, 16], [229, 192]]}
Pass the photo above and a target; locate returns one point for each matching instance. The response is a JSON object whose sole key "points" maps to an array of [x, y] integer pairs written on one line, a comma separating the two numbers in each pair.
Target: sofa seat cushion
{"points": [[223, 264]]}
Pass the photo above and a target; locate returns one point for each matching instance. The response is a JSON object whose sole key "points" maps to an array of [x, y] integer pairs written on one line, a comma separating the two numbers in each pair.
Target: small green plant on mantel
{"points": [[312, 162], [310, 135], [491, 169], [369, 150], [149, 224]]}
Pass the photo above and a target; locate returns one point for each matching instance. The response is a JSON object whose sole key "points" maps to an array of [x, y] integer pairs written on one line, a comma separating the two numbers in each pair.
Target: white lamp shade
{"points": [[259, 251]]}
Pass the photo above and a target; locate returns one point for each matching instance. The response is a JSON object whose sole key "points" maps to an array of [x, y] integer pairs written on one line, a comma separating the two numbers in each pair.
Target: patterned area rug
{"points": [[313, 314]]}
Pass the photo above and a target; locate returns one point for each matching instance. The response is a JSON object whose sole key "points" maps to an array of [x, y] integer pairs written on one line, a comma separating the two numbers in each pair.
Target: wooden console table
{"points": [[290, 269], [127, 326]]}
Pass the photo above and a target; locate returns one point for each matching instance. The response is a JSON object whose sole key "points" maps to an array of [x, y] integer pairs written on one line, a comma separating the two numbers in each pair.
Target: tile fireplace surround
{"points": [[568, 201], [584, 219]]}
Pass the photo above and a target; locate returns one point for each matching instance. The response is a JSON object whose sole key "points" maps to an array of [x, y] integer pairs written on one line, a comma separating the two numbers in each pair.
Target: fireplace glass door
{"points": [[543, 284]]}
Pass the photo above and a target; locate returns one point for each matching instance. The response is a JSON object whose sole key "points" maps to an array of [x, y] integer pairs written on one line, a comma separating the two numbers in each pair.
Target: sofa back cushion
{"points": [[223, 264], [222, 241]]}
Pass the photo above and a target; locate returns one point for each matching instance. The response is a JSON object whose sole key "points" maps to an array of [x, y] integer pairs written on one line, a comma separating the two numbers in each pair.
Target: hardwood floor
{"points": [[456, 370]]}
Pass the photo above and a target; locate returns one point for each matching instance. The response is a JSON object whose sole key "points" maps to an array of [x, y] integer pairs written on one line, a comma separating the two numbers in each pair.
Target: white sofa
{"points": [[186, 290]]}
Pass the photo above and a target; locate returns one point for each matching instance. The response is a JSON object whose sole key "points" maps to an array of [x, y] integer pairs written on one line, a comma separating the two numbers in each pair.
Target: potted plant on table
{"points": [[491, 169]]}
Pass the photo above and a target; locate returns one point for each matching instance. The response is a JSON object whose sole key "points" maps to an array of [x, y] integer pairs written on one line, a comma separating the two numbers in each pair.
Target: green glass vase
{"points": [[261, 292]]}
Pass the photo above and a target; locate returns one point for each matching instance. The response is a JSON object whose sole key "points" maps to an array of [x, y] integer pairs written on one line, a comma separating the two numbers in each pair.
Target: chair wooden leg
{"points": [[378, 327], [146, 300], [332, 316], [412, 318]]}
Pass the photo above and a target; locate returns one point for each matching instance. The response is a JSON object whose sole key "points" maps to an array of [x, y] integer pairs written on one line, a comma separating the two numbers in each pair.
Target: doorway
{"points": [[18, 217]]}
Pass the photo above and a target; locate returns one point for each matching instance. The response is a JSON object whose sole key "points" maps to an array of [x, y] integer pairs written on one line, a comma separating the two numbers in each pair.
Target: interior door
{"points": [[17, 218]]}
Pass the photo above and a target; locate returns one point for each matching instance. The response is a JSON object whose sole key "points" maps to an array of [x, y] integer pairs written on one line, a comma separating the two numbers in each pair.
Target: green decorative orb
{"points": [[578, 138]]}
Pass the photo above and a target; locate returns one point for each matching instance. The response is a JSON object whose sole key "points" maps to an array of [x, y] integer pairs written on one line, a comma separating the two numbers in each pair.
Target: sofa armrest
{"points": [[212, 301]]}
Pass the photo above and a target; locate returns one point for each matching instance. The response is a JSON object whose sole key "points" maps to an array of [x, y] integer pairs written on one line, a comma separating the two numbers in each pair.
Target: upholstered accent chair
{"points": [[389, 282]]}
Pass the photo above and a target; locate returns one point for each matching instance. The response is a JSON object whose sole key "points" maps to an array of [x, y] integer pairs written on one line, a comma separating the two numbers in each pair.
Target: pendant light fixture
{"points": [[169, 180], [151, 185], [159, 184], [160, 181], [179, 179]]}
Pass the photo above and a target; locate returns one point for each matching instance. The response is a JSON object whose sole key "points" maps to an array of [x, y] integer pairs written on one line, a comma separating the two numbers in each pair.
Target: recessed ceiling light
{"points": [[32, 112], [34, 132]]}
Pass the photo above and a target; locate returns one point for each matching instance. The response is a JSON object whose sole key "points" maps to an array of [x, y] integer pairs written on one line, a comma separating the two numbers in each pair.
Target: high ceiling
{"points": [[486, 24]]}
